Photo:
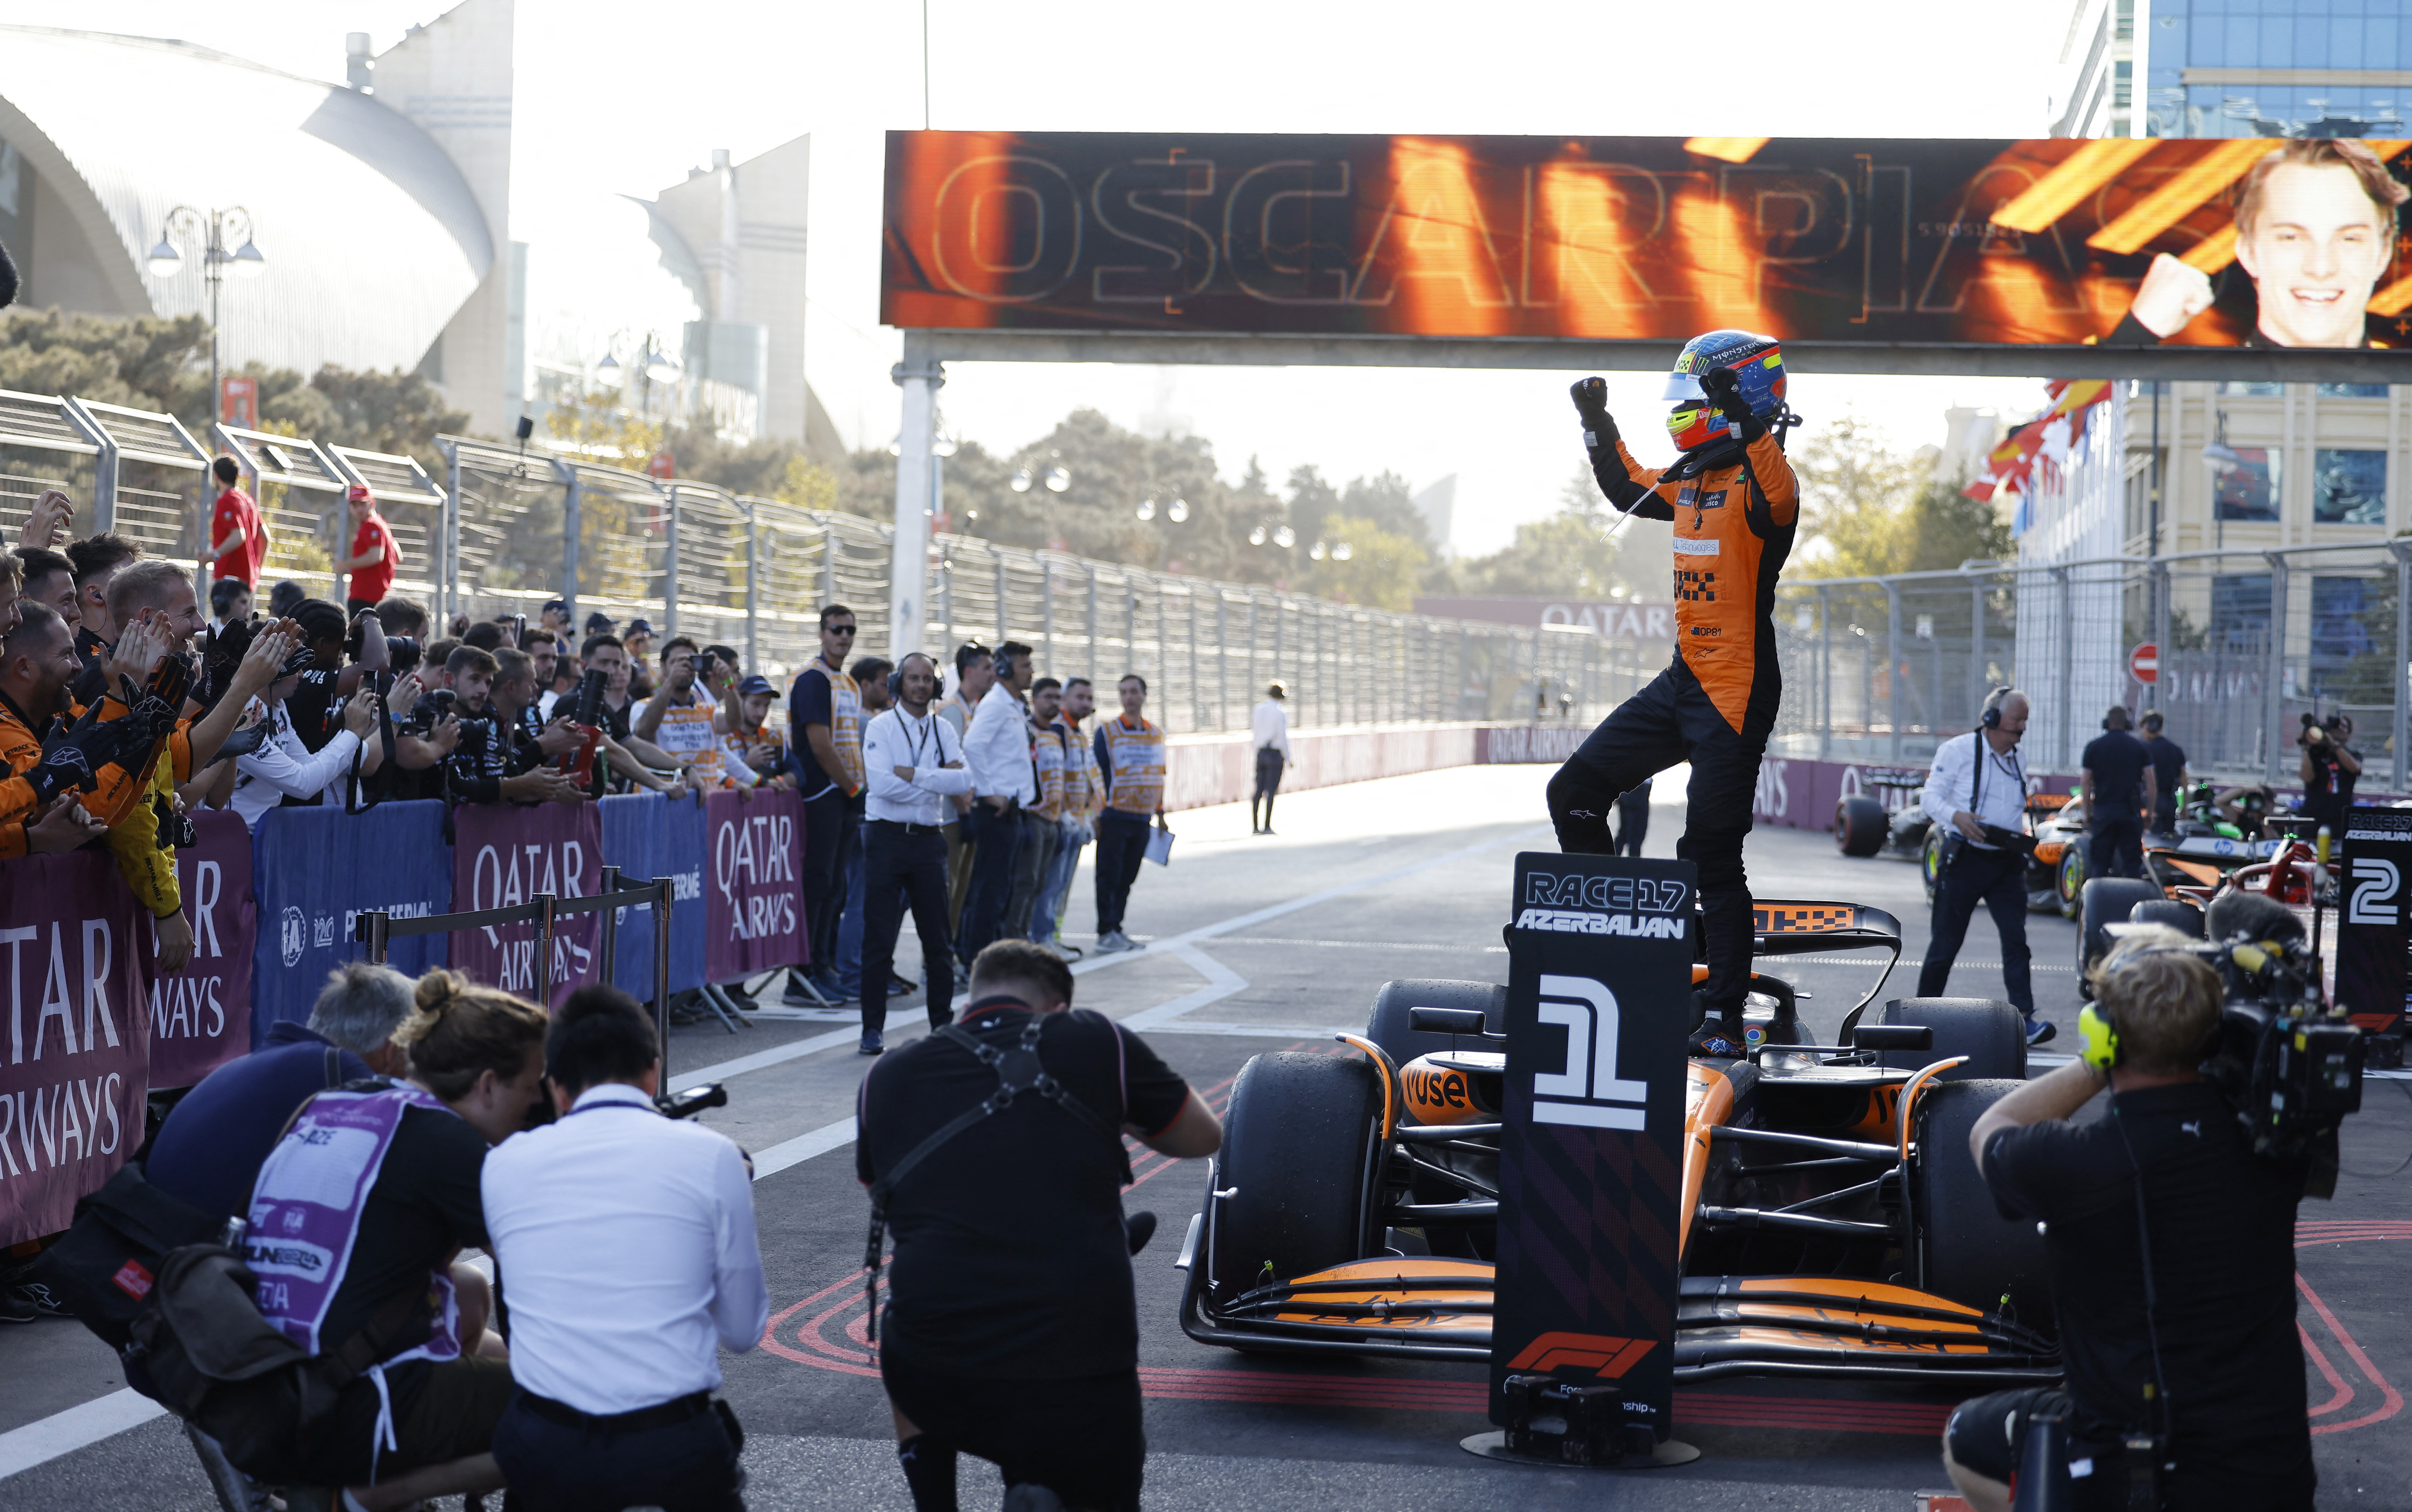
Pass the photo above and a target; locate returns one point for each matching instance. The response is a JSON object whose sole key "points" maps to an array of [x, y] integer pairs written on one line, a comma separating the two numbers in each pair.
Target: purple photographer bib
{"points": [[305, 1216]]}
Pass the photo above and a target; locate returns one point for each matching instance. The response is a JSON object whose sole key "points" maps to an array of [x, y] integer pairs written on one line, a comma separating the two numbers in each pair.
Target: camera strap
{"points": [[1019, 1070]]}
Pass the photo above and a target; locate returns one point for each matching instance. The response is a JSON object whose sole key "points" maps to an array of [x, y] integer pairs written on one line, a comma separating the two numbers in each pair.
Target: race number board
{"points": [[1599, 967], [2375, 887]]}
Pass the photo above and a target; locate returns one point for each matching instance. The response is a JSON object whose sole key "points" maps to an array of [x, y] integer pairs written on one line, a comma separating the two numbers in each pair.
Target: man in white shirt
{"points": [[1270, 724], [997, 751], [626, 1247], [1979, 785], [913, 763], [975, 674]]}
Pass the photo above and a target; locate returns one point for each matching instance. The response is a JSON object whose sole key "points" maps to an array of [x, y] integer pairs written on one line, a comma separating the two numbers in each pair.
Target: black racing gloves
{"points": [[62, 769], [1599, 427], [1724, 391]]}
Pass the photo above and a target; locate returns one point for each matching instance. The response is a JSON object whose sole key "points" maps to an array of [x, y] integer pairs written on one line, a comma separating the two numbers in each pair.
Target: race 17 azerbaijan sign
{"points": [[1914, 241]]}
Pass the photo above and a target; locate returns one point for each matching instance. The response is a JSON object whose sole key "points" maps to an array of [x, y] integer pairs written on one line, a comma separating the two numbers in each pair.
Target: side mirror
{"points": [[1446, 1021], [1893, 1037]]}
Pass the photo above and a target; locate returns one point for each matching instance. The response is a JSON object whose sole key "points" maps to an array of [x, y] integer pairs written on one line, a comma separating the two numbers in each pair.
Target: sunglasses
{"points": [[839, 630]]}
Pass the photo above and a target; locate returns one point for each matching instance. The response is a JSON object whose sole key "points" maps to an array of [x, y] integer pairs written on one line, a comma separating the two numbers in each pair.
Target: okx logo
{"points": [[1586, 1091], [1605, 1357]]}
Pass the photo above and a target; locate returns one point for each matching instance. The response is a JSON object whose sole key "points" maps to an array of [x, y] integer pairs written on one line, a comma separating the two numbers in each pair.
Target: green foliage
{"points": [[1383, 569], [1566, 555], [1868, 511]]}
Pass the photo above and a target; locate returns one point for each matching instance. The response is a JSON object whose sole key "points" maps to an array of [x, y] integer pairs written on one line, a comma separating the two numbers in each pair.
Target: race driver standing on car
{"points": [[1734, 502]]}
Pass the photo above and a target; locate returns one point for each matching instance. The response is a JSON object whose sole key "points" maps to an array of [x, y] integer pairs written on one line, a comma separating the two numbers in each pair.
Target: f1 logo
{"points": [[1584, 1091], [1607, 1358]]}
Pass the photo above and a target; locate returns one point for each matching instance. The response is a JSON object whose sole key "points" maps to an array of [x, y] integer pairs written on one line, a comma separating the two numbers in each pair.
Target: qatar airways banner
{"points": [[200, 1017], [753, 902], [2062, 240], [74, 1071], [502, 857]]}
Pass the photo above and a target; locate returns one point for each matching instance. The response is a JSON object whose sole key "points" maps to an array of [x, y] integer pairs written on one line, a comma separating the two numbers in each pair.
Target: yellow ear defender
{"points": [[2098, 1040]]}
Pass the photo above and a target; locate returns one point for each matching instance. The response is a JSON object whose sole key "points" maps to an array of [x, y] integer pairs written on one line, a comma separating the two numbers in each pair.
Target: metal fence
{"points": [[2247, 641], [507, 528]]}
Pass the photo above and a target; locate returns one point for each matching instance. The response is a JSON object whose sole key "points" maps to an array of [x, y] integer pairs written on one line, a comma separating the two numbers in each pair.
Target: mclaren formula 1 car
{"points": [[1831, 1220]]}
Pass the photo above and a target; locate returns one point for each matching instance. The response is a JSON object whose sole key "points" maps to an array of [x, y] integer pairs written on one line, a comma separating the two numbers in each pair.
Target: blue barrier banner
{"points": [[683, 855], [632, 840], [316, 870]]}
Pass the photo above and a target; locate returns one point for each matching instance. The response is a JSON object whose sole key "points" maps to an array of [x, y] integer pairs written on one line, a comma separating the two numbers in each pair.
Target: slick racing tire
{"points": [[2105, 901], [2176, 912], [1986, 1030], [1299, 1143], [1966, 1250], [1387, 1025], [2069, 877], [1930, 862], [1861, 825]]}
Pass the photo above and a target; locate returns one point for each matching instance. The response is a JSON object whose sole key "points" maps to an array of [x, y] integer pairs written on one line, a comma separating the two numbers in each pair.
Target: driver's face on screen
{"points": [[2314, 253]]}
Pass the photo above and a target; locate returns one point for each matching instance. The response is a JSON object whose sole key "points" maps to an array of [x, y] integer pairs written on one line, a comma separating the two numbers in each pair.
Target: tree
{"points": [[1568, 555], [1381, 571], [1869, 511]]}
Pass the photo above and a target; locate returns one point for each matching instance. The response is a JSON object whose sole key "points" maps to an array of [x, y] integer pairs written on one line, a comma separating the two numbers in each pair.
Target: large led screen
{"points": [[2208, 242]]}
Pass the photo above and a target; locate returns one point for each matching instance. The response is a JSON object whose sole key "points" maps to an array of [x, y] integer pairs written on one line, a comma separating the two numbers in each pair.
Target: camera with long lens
{"points": [[2288, 1064], [430, 712]]}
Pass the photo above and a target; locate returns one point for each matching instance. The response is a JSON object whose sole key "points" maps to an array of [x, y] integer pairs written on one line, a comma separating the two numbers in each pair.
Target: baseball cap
{"points": [[754, 683], [359, 494], [639, 627], [551, 604], [599, 624]]}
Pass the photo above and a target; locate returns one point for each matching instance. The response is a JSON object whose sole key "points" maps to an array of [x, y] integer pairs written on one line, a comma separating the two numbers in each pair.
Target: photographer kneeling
{"points": [[2170, 1248], [1012, 1326], [616, 1363]]}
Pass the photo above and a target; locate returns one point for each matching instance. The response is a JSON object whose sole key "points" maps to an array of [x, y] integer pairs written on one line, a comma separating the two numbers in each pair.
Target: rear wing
{"points": [[1787, 927]]}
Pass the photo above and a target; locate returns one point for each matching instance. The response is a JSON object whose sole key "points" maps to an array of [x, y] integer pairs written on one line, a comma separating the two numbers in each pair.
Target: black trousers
{"points": [[828, 840], [1998, 879], [1082, 1437], [687, 1466], [998, 840], [902, 863], [2114, 841], [1633, 821], [1122, 845], [1672, 721], [1270, 763]]}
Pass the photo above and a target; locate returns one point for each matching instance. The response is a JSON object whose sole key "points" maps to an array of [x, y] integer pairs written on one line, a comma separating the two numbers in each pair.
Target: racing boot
{"points": [[1719, 1037]]}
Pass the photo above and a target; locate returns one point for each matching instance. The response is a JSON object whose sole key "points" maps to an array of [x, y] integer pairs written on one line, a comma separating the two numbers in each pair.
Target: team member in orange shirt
{"points": [[1734, 502]]}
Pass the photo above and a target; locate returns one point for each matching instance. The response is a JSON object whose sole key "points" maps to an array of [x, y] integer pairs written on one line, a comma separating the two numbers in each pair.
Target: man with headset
{"points": [[2171, 1250], [914, 763], [1976, 791]]}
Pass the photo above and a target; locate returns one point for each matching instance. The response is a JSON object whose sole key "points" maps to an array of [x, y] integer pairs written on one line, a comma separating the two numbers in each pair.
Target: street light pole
{"points": [[213, 229]]}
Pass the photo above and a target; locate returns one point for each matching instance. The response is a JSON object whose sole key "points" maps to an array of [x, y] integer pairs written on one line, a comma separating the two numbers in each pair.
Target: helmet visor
{"points": [[1683, 386]]}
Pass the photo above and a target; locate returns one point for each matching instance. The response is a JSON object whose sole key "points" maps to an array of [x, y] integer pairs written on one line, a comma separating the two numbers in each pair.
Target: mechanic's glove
{"points": [[62, 769], [1724, 391], [241, 742], [171, 680], [1591, 402], [154, 718]]}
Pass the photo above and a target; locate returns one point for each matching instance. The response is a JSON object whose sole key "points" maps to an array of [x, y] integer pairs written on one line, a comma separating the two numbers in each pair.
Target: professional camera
{"points": [[2317, 731], [2290, 1064], [430, 710], [587, 703]]}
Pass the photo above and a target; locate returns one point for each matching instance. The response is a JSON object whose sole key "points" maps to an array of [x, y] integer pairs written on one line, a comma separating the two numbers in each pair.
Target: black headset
{"points": [[1992, 717], [896, 678]]}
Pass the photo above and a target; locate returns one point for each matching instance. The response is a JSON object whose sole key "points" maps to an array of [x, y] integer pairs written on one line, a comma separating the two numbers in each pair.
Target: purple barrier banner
{"points": [[752, 905], [1505, 744], [1803, 794], [503, 856], [77, 1068], [200, 1017]]}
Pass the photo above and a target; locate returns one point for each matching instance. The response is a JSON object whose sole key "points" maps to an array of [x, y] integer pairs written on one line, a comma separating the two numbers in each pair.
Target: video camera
{"points": [[586, 712], [2318, 731], [2288, 1064]]}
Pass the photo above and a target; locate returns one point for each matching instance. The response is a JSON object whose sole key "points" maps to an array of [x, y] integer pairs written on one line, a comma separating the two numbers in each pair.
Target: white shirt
{"points": [[997, 748], [284, 768], [1951, 785], [895, 738], [625, 1245], [1270, 723]]}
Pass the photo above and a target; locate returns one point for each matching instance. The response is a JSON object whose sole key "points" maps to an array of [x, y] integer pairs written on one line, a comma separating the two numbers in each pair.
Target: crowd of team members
{"points": [[966, 807]]}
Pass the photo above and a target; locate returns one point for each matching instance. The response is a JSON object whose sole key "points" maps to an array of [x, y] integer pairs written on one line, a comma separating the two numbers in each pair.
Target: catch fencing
{"points": [[2240, 643], [505, 528]]}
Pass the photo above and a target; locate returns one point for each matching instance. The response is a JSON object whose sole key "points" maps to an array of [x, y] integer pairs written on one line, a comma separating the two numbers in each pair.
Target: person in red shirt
{"points": [[238, 538], [375, 555]]}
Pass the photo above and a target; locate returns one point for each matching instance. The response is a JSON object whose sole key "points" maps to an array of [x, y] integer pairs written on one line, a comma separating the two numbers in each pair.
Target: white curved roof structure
{"points": [[372, 237]]}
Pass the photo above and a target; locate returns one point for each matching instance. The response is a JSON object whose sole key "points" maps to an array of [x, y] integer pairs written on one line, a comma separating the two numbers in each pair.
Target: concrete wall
{"points": [[1203, 770]]}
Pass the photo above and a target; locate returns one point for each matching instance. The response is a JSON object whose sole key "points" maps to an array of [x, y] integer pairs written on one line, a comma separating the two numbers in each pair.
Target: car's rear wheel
{"points": [[1299, 1143], [2105, 901], [1387, 1025], [1986, 1030], [2069, 879], [1861, 825], [1967, 1252], [2176, 912], [1930, 862]]}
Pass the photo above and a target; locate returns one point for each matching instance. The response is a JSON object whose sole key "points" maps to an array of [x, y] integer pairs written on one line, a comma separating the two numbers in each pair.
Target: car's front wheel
{"points": [[1296, 1169]]}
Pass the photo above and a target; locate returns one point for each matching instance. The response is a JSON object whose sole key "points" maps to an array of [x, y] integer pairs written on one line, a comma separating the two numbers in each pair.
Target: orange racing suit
{"points": [[1734, 509]]}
